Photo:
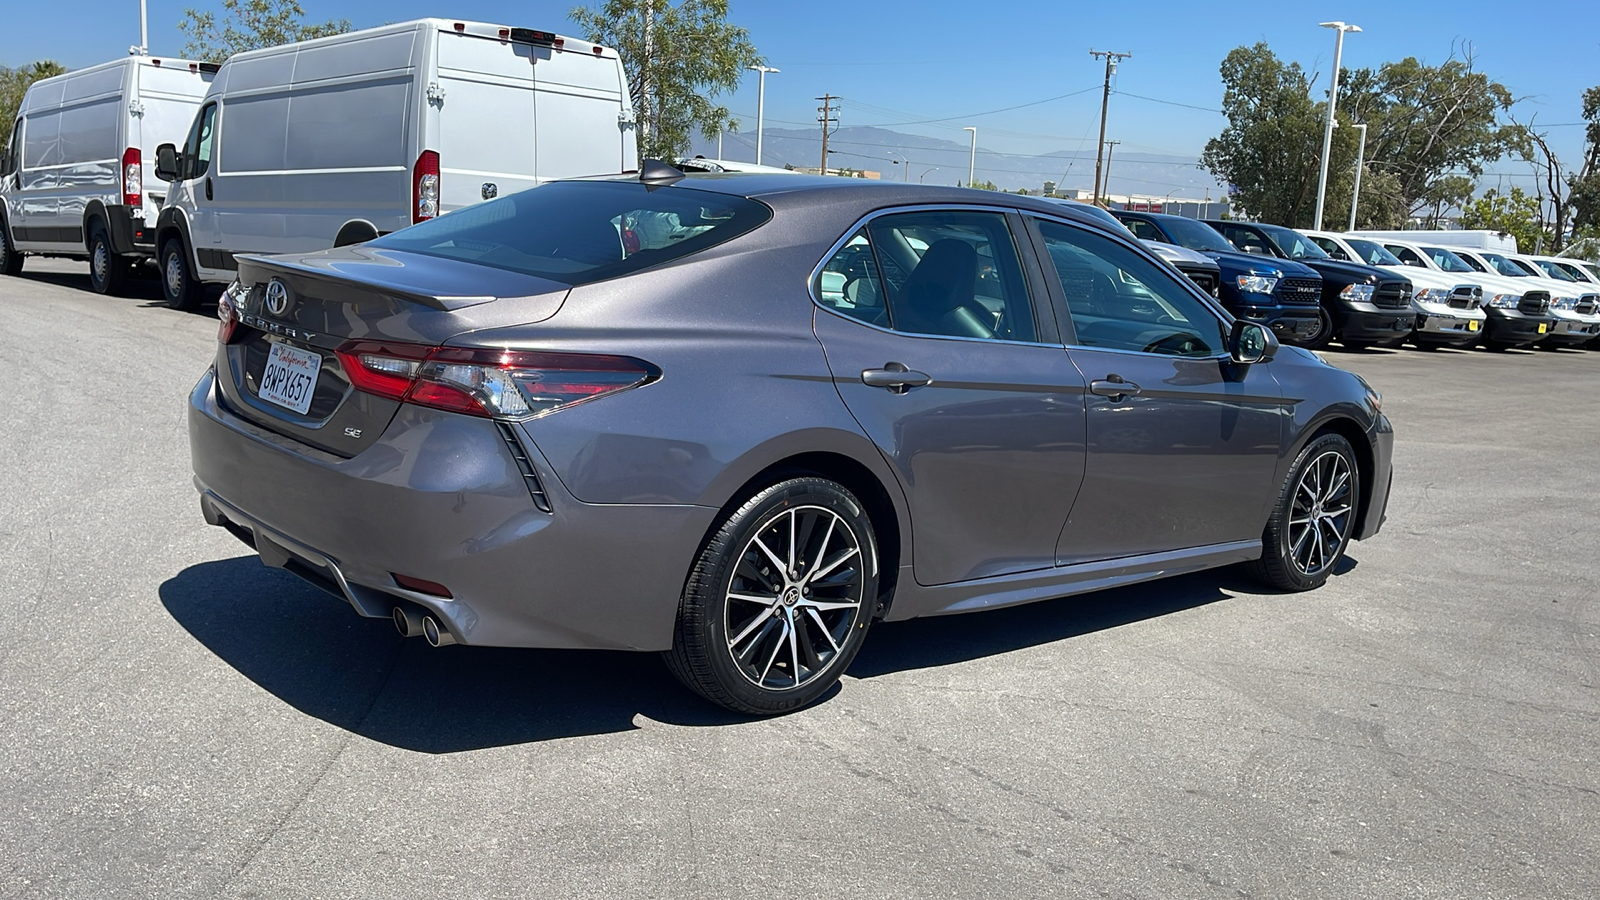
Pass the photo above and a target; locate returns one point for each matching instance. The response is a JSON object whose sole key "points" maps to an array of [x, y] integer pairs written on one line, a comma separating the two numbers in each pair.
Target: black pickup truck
{"points": [[1362, 306]]}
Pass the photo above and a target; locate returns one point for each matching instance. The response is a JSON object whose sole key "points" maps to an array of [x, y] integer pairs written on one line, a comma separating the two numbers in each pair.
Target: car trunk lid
{"points": [[280, 369]]}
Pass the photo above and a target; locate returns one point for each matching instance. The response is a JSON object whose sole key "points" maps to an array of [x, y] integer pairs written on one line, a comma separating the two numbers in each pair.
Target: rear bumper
{"points": [[438, 497], [127, 232]]}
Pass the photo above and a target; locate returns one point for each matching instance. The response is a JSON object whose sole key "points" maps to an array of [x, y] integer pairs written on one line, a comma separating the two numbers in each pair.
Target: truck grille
{"points": [[1466, 297], [1299, 292], [1206, 281], [1588, 305], [1534, 303], [1392, 295]]}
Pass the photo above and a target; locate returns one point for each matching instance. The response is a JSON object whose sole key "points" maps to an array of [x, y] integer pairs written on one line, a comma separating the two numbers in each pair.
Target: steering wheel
{"points": [[1173, 345]]}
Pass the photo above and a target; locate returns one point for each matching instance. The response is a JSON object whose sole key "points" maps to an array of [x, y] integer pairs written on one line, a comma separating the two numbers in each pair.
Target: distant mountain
{"points": [[878, 149]]}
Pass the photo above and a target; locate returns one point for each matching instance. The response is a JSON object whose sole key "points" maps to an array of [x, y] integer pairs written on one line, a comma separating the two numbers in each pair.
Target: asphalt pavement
{"points": [[177, 721]]}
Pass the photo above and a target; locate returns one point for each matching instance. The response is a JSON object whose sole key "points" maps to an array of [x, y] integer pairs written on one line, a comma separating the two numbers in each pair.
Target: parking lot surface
{"points": [[177, 721]]}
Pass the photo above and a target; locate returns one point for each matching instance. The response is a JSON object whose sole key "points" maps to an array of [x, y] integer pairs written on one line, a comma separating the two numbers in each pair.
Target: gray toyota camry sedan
{"points": [[738, 418]]}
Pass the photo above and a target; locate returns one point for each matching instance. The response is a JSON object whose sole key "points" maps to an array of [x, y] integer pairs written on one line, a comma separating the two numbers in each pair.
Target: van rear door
{"points": [[486, 118], [579, 109]]}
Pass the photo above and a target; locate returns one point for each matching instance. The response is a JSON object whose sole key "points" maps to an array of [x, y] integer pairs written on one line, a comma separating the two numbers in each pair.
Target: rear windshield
{"points": [[577, 232]]}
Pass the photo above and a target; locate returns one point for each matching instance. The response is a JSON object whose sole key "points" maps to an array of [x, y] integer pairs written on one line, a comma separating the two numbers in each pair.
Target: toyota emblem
{"points": [[277, 297]]}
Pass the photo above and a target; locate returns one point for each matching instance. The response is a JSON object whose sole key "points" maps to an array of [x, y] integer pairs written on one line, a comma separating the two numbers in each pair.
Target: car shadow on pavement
{"points": [[311, 651]]}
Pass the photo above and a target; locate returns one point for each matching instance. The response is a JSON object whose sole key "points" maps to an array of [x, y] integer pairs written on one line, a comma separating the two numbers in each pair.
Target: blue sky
{"points": [[900, 61]]}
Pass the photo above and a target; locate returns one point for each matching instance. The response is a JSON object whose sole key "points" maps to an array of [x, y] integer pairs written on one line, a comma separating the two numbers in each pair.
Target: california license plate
{"points": [[290, 377], [1472, 325]]}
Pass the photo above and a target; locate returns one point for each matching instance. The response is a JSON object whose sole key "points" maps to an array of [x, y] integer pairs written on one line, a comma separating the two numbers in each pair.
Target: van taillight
{"points": [[425, 187], [132, 177]]}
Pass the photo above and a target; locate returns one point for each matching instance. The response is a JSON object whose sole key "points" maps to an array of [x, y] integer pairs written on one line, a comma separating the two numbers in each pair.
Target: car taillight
{"points": [[132, 177], [228, 306], [425, 187], [511, 384]]}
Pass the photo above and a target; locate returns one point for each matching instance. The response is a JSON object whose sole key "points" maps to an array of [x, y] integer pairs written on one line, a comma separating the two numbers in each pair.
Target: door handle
{"points": [[1113, 386], [208, 188], [896, 377]]}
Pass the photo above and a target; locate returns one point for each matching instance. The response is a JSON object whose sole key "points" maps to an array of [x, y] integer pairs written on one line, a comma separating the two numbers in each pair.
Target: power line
{"points": [[987, 112], [1122, 93]]}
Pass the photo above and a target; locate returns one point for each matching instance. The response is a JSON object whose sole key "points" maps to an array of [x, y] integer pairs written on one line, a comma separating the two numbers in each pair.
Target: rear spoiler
{"points": [[441, 302]]}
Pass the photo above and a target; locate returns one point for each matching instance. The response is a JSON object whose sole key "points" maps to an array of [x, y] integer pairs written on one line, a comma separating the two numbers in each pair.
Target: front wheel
{"points": [[1313, 519], [178, 285], [779, 599], [1318, 339]]}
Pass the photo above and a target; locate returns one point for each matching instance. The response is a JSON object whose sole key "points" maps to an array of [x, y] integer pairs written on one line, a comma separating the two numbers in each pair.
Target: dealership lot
{"points": [[180, 722]]}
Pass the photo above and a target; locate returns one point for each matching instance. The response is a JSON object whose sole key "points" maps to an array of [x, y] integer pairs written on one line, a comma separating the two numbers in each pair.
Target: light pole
{"points": [[1327, 131], [972, 161], [1355, 192], [925, 174], [761, 102], [903, 163]]}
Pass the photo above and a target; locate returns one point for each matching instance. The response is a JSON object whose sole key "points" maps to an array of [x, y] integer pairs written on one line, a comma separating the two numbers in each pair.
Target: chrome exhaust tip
{"points": [[436, 635], [407, 621]]}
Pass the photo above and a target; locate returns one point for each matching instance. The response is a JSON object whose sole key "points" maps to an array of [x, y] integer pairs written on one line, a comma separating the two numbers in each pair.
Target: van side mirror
{"points": [[167, 163], [1250, 343]]}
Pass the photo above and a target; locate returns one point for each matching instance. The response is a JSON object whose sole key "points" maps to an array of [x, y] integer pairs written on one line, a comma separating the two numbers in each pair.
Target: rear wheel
{"points": [[1314, 518], [108, 272], [10, 259], [779, 599], [178, 285]]}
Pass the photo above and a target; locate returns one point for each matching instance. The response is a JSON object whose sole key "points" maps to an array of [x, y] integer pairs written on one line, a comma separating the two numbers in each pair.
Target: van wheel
{"points": [[107, 271], [178, 286], [10, 259], [779, 599]]}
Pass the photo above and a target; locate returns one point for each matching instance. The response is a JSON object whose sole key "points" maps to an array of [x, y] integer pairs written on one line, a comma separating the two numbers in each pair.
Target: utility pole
{"points": [[1110, 146], [1105, 100], [825, 115]]}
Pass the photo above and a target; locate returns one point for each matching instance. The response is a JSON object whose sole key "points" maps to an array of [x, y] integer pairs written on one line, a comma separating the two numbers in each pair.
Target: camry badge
{"points": [[277, 297]]}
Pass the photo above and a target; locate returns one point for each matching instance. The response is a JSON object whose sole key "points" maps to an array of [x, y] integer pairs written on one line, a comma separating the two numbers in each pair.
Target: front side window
{"points": [[8, 161], [1121, 301], [1247, 240], [1554, 271], [197, 149], [1294, 244], [1407, 256], [1446, 260], [950, 273], [578, 232], [1505, 266]]}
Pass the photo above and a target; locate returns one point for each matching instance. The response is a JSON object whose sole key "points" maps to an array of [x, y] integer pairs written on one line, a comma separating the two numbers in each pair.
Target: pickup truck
{"points": [[1362, 306], [1280, 294], [1449, 308]]}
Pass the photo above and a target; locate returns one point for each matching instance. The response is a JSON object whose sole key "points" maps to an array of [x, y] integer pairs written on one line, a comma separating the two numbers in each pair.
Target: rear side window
{"points": [[578, 232], [951, 273]]}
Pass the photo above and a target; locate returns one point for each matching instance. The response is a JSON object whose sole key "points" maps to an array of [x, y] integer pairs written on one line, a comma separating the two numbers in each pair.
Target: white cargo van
{"points": [[1492, 241], [75, 172], [338, 140]]}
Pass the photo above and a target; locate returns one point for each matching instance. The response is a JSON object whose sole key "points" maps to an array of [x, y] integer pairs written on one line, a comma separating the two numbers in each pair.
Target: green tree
{"points": [[1431, 127], [1516, 214], [250, 25], [1271, 149], [1584, 196], [678, 56], [14, 83]]}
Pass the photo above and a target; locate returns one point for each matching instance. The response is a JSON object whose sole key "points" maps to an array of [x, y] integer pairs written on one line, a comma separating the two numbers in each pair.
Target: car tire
{"points": [[178, 285], [757, 631], [108, 272], [10, 258], [1304, 541], [1318, 339]]}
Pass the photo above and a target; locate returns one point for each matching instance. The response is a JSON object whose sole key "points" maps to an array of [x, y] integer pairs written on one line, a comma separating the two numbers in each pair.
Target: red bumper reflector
{"points": [[421, 586]]}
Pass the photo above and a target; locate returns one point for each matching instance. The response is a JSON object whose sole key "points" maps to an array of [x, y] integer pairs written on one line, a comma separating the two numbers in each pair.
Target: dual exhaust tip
{"points": [[411, 623]]}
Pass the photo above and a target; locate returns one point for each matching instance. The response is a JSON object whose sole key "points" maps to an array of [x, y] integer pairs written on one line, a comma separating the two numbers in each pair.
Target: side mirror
{"points": [[167, 163], [1250, 343]]}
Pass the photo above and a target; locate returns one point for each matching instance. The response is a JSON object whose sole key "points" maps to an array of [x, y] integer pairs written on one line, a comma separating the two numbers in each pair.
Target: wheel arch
{"points": [[95, 212], [172, 223], [884, 506], [355, 231]]}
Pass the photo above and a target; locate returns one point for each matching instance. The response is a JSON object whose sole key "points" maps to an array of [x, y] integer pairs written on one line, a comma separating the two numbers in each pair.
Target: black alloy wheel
{"points": [[1314, 518], [178, 285], [779, 600], [1320, 337], [107, 271]]}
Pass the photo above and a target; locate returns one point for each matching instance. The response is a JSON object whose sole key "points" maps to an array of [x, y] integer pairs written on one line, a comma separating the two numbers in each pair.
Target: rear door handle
{"points": [[1113, 386], [896, 377]]}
